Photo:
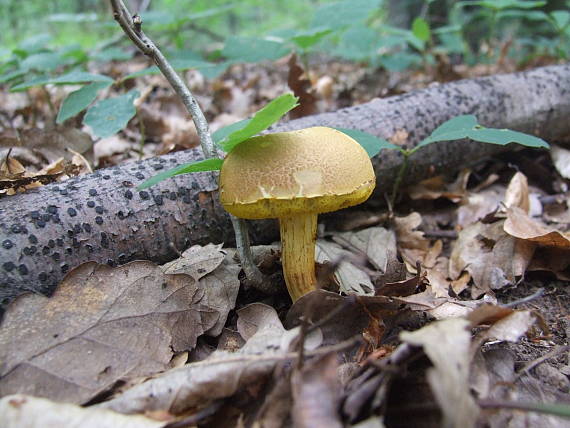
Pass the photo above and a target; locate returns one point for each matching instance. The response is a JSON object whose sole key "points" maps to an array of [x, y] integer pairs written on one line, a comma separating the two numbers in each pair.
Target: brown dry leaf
{"points": [[377, 243], [39, 147], [412, 244], [301, 87], [492, 258], [220, 375], [102, 324], [478, 205], [447, 344], [520, 225], [351, 279], [350, 320], [24, 411], [196, 261], [316, 394], [436, 187], [517, 194]]}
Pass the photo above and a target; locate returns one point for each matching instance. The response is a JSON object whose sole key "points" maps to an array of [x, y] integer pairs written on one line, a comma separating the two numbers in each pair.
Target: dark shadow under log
{"points": [[102, 217]]}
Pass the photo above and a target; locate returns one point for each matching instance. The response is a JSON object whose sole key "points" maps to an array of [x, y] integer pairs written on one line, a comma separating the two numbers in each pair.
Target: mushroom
{"points": [[294, 176]]}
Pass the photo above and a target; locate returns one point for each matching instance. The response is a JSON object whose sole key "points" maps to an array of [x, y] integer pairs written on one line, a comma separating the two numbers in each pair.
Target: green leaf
{"points": [[467, 121], [507, 4], [43, 61], [213, 164], [262, 120], [344, 13], [506, 136], [307, 39], [66, 79], [420, 29], [223, 133], [358, 44], [109, 116], [79, 100], [371, 143], [466, 126], [561, 18], [251, 49]]}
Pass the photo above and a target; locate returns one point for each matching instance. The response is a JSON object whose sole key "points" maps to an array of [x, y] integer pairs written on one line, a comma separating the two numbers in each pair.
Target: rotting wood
{"points": [[102, 217]]}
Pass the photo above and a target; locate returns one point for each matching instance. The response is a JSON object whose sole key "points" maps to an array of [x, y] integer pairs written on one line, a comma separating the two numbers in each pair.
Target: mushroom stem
{"points": [[298, 237]]}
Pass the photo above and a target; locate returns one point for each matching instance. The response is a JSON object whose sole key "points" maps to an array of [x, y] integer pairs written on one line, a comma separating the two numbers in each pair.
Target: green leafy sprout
{"points": [[460, 127]]}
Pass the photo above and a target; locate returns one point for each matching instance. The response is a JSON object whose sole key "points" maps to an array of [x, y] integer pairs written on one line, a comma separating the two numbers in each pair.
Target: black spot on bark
{"points": [[71, 212], [7, 244]]}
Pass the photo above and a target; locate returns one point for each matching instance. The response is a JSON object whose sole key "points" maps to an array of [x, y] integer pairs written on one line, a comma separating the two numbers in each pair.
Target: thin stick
{"points": [[132, 26]]}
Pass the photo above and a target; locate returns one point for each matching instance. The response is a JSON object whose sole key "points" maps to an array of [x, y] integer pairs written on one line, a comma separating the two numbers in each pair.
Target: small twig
{"points": [[132, 26], [526, 299], [532, 364]]}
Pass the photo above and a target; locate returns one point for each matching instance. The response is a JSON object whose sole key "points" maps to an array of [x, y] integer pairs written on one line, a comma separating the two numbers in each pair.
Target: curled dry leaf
{"points": [[102, 324], [447, 344], [19, 411], [436, 187], [517, 194], [492, 258], [220, 375], [412, 244], [351, 279], [377, 243], [520, 225]]}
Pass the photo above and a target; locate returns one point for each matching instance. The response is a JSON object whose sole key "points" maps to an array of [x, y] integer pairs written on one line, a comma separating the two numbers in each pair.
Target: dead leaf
{"points": [[436, 187], [377, 243], [196, 261], [301, 87], [520, 225], [447, 344], [351, 279], [316, 394], [517, 194], [492, 258], [412, 244], [478, 205], [24, 411], [102, 324], [220, 375]]}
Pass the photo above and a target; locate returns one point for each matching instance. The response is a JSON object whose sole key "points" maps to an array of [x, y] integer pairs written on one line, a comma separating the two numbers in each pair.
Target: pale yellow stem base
{"points": [[298, 238]]}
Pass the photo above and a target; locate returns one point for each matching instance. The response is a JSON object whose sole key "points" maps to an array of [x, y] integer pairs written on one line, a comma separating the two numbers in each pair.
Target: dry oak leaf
{"points": [[102, 324], [221, 375], [493, 258], [520, 225]]}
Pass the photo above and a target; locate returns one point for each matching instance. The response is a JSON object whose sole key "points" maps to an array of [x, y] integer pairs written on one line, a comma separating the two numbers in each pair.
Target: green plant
{"points": [[459, 127]]}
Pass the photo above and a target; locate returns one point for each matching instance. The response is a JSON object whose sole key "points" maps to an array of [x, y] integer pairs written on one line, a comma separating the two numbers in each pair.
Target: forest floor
{"points": [[458, 302]]}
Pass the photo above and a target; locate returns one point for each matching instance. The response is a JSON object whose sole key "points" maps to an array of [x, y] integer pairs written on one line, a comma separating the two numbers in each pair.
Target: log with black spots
{"points": [[102, 217]]}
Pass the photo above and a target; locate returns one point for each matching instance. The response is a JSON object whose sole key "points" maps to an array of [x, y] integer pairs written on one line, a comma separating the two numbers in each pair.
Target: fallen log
{"points": [[102, 217]]}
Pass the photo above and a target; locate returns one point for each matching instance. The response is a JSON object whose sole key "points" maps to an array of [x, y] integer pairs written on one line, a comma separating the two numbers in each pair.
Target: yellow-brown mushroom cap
{"points": [[311, 170]]}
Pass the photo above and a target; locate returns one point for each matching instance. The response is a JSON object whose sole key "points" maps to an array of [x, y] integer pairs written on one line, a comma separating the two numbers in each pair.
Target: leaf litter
{"points": [[119, 338]]}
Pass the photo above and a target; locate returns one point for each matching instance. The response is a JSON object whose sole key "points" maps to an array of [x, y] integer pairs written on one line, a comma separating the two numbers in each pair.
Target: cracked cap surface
{"points": [[311, 170]]}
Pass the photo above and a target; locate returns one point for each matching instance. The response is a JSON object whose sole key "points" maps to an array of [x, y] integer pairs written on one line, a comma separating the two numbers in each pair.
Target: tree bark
{"points": [[102, 217]]}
